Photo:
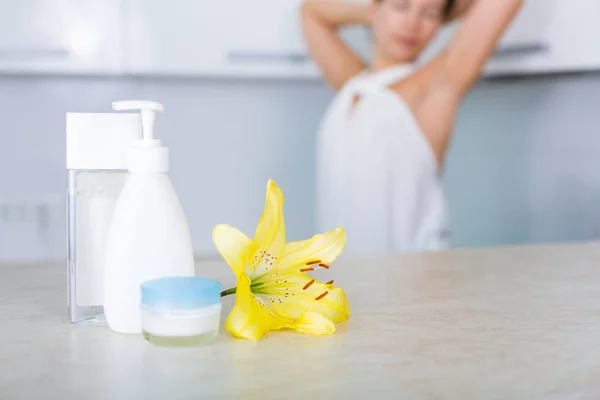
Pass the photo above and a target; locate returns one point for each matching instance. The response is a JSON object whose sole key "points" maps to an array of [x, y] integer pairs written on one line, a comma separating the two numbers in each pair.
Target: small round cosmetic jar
{"points": [[180, 311]]}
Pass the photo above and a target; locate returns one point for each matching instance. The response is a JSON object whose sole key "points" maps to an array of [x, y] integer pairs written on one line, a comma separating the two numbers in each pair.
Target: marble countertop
{"points": [[501, 323]]}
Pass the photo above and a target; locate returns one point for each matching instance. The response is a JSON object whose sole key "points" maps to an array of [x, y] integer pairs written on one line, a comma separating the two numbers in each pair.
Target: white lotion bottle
{"points": [[148, 237]]}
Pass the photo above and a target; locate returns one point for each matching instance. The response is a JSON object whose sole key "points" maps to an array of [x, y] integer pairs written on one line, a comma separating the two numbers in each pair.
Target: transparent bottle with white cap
{"points": [[97, 162], [149, 236]]}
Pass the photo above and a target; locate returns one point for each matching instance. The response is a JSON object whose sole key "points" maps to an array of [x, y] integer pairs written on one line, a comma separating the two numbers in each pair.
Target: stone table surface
{"points": [[495, 323]]}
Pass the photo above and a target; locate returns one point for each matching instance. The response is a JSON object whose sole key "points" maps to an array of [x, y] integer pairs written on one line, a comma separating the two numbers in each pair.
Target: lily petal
{"points": [[313, 324], [270, 232], [249, 318], [235, 247], [295, 294], [324, 248]]}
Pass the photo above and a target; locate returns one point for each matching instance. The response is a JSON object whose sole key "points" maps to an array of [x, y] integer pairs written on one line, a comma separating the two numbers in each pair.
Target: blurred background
{"points": [[243, 101]]}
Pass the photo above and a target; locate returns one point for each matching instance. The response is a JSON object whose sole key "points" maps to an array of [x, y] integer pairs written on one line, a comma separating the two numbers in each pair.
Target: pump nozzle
{"points": [[147, 109], [148, 155]]}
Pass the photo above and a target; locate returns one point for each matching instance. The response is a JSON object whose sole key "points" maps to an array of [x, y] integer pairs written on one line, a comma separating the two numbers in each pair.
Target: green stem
{"points": [[228, 292]]}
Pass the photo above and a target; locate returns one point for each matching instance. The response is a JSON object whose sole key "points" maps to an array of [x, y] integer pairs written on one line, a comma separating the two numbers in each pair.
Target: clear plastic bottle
{"points": [[97, 163]]}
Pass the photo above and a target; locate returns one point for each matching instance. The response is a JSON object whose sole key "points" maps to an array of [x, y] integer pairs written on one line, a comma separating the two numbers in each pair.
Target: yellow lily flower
{"points": [[273, 290]]}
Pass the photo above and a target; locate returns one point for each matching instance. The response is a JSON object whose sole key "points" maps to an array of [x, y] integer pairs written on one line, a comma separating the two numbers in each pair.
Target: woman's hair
{"points": [[447, 10], [449, 7]]}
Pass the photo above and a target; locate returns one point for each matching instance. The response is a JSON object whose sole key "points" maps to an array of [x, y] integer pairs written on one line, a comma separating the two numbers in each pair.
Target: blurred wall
{"points": [[522, 166], [524, 163]]}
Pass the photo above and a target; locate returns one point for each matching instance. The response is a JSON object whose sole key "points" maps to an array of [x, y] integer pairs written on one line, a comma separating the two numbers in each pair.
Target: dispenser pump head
{"points": [[148, 110], [148, 155]]}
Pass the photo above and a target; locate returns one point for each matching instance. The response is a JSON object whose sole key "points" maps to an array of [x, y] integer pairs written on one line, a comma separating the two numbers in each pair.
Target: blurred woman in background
{"points": [[383, 139]]}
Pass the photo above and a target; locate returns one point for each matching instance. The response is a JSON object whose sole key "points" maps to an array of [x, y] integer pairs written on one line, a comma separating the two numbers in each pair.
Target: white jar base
{"points": [[181, 341], [181, 328]]}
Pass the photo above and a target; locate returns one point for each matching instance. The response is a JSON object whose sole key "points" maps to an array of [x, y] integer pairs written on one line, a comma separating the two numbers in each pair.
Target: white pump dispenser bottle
{"points": [[148, 237]]}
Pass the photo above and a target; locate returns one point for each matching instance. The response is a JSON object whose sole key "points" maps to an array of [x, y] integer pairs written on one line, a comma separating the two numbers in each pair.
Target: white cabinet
{"points": [[267, 40], [550, 36], [215, 37], [235, 38], [251, 38], [241, 38], [60, 36], [547, 36], [180, 37]]}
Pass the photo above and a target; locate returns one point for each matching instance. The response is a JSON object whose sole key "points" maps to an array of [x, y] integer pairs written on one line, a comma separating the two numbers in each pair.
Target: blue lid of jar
{"points": [[180, 292]]}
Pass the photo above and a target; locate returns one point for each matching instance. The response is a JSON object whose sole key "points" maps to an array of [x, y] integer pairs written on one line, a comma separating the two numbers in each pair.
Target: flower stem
{"points": [[228, 292]]}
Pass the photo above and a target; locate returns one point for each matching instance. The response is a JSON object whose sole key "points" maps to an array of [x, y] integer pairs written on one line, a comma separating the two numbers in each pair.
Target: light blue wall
{"points": [[226, 139], [522, 167]]}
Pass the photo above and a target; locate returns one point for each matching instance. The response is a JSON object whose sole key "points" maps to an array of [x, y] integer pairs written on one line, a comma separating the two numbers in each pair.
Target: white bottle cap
{"points": [[101, 141], [148, 155]]}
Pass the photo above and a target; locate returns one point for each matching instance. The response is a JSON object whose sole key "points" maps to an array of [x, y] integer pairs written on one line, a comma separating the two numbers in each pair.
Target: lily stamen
{"points": [[313, 262], [308, 284], [324, 266], [321, 296], [330, 282], [307, 269]]}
